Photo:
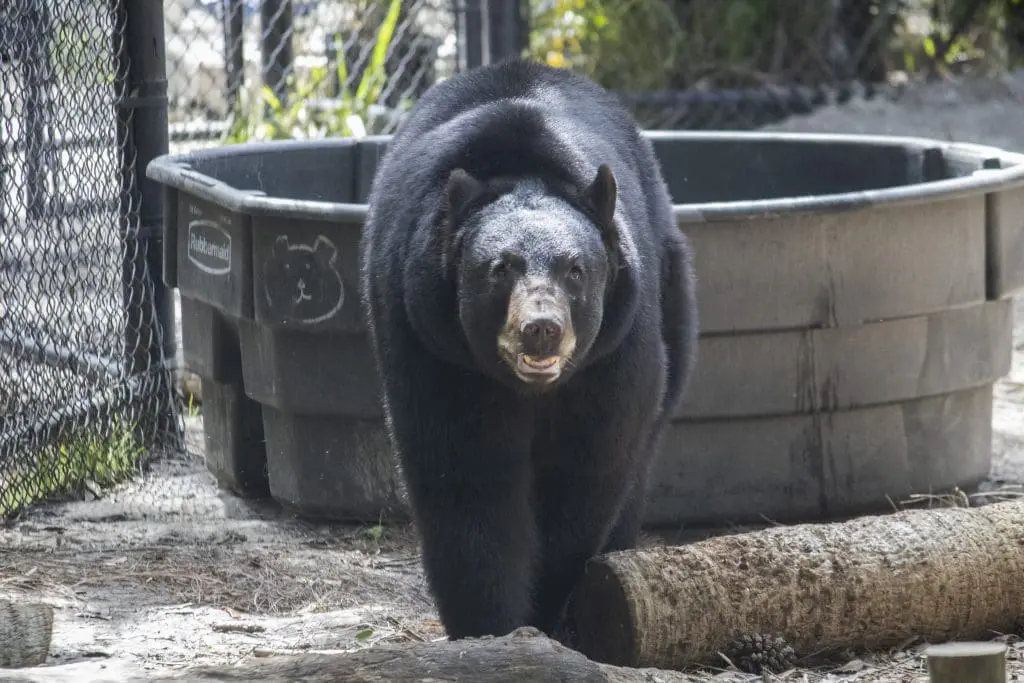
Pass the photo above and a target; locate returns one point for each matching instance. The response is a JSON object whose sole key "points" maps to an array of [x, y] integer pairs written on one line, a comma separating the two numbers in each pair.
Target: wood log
{"points": [[869, 583], [967, 663], [25, 632], [524, 656]]}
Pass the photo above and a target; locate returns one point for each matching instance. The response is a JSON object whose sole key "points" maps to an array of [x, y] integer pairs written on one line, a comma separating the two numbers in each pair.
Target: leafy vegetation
{"points": [[88, 460], [301, 117], [636, 45]]}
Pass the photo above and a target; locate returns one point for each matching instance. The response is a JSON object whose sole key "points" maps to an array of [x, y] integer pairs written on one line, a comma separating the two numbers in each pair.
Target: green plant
{"points": [[638, 45], [193, 406], [375, 533], [88, 459], [564, 33], [958, 34], [271, 119]]}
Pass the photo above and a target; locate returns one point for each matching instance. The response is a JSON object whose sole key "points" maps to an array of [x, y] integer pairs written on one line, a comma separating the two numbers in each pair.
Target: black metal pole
{"points": [[1015, 33], [142, 136], [94, 368], [469, 18], [507, 31], [234, 56], [276, 45], [331, 43], [37, 72], [489, 31]]}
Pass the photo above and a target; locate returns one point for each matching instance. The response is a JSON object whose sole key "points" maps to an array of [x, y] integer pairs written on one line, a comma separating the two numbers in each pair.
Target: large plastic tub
{"points": [[854, 299]]}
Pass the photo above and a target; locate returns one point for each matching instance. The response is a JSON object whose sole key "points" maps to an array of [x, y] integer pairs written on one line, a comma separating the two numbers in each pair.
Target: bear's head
{"points": [[533, 263]]}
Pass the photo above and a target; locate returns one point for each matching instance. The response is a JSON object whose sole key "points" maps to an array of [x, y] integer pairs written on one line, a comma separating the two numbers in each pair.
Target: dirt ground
{"points": [[167, 572]]}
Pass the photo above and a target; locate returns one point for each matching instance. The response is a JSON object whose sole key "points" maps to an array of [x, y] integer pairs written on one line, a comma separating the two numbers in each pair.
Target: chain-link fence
{"points": [[83, 386], [256, 69], [333, 64]]}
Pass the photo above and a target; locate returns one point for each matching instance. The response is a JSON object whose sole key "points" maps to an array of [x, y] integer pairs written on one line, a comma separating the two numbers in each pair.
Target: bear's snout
{"points": [[541, 336], [538, 339]]}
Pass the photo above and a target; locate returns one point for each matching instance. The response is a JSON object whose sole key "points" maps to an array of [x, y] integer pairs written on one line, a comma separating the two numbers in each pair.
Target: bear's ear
{"points": [[600, 194], [461, 189], [324, 251], [280, 245]]}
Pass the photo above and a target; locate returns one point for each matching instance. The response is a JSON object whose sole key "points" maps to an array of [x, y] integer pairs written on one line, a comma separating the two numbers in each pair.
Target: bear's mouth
{"points": [[535, 367]]}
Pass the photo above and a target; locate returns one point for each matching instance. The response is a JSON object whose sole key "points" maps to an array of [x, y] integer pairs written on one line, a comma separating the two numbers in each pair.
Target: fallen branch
{"points": [[869, 583], [25, 632], [524, 656]]}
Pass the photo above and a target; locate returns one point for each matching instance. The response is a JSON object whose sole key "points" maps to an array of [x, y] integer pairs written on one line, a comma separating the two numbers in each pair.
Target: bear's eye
{"points": [[500, 270], [575, 272]]}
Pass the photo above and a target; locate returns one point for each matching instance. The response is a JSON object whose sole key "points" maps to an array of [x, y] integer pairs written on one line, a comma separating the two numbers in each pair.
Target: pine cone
{"points": [[761, 652]]}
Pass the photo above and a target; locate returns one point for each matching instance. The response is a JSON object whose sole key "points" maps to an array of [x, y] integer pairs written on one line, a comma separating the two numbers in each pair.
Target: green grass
{"points": [[192, 408], [86, 460]]}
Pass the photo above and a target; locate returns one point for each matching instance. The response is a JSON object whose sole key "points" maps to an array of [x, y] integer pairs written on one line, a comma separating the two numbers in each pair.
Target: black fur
{"points": [[512, 490]]}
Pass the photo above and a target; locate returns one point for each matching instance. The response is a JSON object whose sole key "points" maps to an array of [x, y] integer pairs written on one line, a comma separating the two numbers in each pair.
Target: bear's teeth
{"points": [[541, 362]]}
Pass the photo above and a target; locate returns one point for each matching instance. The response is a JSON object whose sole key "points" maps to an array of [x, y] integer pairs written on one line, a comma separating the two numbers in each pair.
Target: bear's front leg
{"points": [[464, 448], [589, 458]]}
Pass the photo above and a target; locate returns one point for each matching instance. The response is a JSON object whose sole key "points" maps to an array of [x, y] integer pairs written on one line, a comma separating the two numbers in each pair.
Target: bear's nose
{"points": [[541, 336]]}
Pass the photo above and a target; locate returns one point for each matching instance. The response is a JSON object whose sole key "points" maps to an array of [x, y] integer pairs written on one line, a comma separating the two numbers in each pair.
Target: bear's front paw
{"points": [[565, 633]]}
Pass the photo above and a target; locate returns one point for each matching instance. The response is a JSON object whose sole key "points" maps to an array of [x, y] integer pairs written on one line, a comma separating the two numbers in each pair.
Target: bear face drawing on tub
{"points": [[530, 303], [532, 270], [301, 281]]}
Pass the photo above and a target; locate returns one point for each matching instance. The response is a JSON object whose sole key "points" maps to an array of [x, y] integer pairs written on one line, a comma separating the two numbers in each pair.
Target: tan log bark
{"points": [[943, 574], [25, 632], [524, 656]]}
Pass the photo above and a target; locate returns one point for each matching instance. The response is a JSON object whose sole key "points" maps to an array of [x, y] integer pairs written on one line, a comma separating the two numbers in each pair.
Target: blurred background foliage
{"points": [[652, 45]]}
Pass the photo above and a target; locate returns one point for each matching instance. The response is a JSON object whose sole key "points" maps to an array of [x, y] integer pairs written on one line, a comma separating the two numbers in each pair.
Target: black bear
{"points": [[302, 282], [531, 306]]}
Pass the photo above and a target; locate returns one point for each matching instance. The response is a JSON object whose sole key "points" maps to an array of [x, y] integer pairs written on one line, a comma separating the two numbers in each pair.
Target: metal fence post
{"points": [[489, 31], [333, 54], [234, 55], [508, 29], [1015, 33], [469, 33], [37, 72], [143, 135], [276, 45]]}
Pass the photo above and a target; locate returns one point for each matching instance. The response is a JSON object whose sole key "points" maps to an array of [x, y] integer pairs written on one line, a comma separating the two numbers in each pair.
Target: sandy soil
{"points": [[167, 572]]}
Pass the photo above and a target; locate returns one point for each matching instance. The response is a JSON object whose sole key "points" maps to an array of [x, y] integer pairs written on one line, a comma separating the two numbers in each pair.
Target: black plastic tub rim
{"points": [[175, 171], [1009, 175]]}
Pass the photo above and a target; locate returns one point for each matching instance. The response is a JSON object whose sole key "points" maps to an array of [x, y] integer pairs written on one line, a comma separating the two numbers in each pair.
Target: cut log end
{"points": [[602, 616], [967, 662], [25, 633]]}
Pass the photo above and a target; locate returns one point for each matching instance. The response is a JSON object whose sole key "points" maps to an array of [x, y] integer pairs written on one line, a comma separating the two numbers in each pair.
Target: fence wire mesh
{"points": [[83, 392], [83, 389], [247, 69], [680, 64]]}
